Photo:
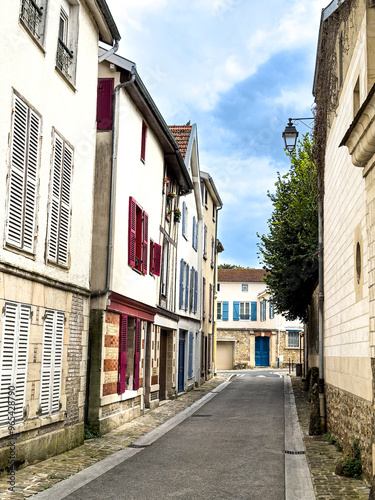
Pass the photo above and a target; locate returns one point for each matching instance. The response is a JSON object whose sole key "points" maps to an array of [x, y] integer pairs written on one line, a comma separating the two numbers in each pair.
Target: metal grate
{"points": [[294, 452], [138, 446], [64, 58], [31, 15]]}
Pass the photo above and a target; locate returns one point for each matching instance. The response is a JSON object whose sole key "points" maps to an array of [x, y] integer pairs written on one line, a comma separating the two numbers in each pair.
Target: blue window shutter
{"points": [[181, 283], [236, 311], [253, 311], [196, 236], [191, 350], [196, 292], [187, 288], [225, 311], [183, 217], [193, 239]]}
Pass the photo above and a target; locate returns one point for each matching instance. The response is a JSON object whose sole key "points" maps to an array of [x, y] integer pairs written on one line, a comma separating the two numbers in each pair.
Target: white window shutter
{"points": [[17, 172], [65, 206], [53, 336], [14, 357], [55, 199], [31, 182]]}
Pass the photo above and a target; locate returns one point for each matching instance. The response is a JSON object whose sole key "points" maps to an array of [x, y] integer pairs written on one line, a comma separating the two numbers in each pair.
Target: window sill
{"points": [[291, 348], [66, 79], [32, 36], [20, 251], [33, 423]]}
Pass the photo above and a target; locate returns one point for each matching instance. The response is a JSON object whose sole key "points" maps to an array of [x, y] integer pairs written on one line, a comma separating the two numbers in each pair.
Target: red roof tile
{"points": [[241, 275], [182, 135]]}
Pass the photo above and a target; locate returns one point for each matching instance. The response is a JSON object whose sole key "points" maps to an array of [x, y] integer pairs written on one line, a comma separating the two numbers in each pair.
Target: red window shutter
{"points": [[122, 354], [137, 355], [143, 142], [132, 231], [152, 256], [144, 242], [157, 259], [104, 104]]}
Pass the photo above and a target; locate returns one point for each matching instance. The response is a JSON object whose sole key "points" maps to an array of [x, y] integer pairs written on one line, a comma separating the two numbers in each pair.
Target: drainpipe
{"points": [[321, 311], [99, 293], [214, 295], [109, 52]]}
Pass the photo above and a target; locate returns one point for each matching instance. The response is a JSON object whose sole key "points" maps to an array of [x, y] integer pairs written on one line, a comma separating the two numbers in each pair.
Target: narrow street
{"points": [[231, 447]]}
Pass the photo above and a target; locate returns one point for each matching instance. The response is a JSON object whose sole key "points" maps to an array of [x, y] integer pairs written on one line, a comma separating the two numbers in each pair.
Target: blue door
{"points": [[262, 351], [181, 365]]}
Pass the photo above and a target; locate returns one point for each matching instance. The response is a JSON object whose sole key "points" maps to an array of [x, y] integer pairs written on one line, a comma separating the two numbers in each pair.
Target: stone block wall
{"points": [[350, 417]]}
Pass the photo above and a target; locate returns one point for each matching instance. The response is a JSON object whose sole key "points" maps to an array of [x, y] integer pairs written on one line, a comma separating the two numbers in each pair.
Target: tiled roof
{"points": [[182, 135], [241, 275]]}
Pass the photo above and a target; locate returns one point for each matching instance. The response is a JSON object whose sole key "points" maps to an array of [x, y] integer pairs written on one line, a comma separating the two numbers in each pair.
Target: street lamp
{"points": [[290, 134]]}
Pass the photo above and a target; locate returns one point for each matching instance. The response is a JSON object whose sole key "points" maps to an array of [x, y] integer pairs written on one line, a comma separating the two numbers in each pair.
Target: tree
{"points": [[231, 266], [289, 250]]}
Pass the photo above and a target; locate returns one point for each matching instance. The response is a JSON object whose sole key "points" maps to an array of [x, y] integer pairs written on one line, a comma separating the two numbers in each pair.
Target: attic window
{"points": [[245, 288]]}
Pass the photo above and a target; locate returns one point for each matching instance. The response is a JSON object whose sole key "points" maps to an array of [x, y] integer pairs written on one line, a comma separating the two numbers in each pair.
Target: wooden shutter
{"points": [[59, 224], [132, 231], [144, 242], [253, 311], [143, 142], [236, 311], [210, 304], [195, 291], [52, 358], [123, 342], [181, 283], [187, 288], [25, 151], [137, 354], [104, 104], [14, 358], [225, 311], [152, 256], [157, 259], [191, 351], [194, 228], [196, 236]]}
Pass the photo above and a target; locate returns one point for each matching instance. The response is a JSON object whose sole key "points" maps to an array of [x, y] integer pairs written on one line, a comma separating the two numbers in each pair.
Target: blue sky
{"points": [[239, 69]]}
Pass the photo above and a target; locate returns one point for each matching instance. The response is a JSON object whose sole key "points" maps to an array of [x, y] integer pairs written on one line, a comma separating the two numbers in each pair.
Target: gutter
{"points": [[99, 293], [109, 52]]}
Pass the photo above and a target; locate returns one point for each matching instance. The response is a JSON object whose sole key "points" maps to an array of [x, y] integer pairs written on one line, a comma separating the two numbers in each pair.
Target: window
{"points": [[59, 211], [52, 358], [138, 237], [192, 290], [245, 288], [271, 311], [212, 251], [104, 104], [155, 258], [67, 41], [191, 353], [195, 234], [184, 220], [187, 285], [293, 339], [143, 142], [244, 310], [205, 242], [213, 212], [219, 311], [24, 163], [218, 287], [33, 17], [164, 277], [14, 356], [129, 354], [263, 310], [195, 308]]}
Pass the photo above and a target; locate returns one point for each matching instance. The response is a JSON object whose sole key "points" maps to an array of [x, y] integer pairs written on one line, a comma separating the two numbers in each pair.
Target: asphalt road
{"points": [[231, 448]]}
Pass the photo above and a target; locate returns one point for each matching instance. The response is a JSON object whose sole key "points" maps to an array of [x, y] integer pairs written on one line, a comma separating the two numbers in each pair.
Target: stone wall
{"points": [[348, 418]]}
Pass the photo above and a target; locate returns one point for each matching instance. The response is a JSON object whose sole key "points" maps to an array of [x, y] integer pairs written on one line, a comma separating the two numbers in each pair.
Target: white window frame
{"points": [[245, 306], [295, 336]]}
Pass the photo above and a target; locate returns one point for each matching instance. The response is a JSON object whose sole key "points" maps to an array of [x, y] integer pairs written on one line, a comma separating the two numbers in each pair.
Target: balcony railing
{"points": [[64, 59], [31, 15]]}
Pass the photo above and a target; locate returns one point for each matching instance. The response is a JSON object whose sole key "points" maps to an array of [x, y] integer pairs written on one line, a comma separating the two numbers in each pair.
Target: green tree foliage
{"points": [[289, 250], [231, 266]]}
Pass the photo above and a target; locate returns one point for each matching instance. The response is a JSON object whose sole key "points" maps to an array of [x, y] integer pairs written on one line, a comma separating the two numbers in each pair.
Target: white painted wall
{"points": [[30, 70]]}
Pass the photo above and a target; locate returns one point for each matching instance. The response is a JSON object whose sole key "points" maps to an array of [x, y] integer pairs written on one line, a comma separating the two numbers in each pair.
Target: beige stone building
{"points": [[47, 106], [344, 94], [249, 333]]}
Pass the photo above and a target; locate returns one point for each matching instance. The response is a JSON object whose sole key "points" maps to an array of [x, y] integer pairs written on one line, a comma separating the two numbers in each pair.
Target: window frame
{"points": [[295, 336], [33, 19], [137, 237], [219, 315]]}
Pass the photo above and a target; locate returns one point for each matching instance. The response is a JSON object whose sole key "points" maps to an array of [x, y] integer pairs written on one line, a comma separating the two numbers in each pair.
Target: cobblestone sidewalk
{"points": [[322, 458], [43, 475]]}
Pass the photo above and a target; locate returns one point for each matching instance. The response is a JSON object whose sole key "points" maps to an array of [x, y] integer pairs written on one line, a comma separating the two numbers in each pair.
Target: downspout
{"points": [[214, 295], [322, 405], [99, 293], [109, 52]]}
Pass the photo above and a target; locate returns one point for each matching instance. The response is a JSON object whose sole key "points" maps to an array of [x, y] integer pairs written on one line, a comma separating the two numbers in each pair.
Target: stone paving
{"points": [[322, 458]]}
